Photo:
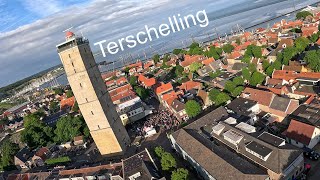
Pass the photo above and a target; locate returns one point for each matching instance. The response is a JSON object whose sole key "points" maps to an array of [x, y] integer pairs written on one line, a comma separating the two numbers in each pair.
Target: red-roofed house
{"points": [[67, 103], [301, 134], [207, 61], [121, 81], [234, 57], [188, 60], [146, 82], [162, 88], [308, 31], [190, 85]]}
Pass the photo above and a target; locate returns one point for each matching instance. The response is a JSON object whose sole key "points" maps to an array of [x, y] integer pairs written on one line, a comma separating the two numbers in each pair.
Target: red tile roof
{"points": [[64, 103], [207, 61], [121, 80], [123, 95], [262, 97], [289, 75], [308, 31], [300, 132], [162, 88], [234, 55], [148, 82], [190, 85], [188, 60], [120, 90]]}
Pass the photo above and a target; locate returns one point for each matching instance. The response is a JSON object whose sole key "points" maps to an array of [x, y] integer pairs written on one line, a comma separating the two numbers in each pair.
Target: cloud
{"points": [[31, 48]]}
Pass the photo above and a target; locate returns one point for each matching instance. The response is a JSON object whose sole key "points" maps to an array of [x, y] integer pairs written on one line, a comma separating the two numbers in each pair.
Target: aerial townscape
{"points": [[241, 107]]}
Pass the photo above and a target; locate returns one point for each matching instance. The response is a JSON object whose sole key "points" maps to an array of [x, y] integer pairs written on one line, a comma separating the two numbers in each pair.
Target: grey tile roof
{"points": [[280, 103]]}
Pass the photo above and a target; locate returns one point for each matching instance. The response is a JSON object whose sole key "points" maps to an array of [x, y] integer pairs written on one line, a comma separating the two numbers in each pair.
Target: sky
{"points": [[31, 29]]}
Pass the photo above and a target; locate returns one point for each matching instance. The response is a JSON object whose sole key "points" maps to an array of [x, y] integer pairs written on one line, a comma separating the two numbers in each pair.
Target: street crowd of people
{"points": [[162, 119]]}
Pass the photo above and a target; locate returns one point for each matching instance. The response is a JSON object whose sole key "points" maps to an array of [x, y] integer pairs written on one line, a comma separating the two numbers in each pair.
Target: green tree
{"points": [[69, 94], [213, 52], [301, 43], [179, 70], [221, 99], [142, 93], [159, 151], [194, 45], [246, 59], [215, 74], [7, 151], [237, 91], [257, 78], [313, 60], [180, 174], [193, 108], [246, 73], [195, 66], [168, 162], [238, 81], [228, 48], [252, 67], [126, 70], [75, 107], [177, 51], [253, 51], [265, 65], [133, 80], [270, 70], [288, 54], [54, 107], [166, 57], [58, 91], [67, 128], [303, 14], [314, 37], [238, 41], [156, 58], [277, 65], [213, 94], [36, 133], [229, 86]]}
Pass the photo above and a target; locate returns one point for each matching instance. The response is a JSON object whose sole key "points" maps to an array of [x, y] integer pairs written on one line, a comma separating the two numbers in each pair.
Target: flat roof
{"points": [[259, 148]]}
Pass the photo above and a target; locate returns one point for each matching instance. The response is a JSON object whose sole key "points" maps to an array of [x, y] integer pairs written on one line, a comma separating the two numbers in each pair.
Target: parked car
{"points": [[311, 154]]}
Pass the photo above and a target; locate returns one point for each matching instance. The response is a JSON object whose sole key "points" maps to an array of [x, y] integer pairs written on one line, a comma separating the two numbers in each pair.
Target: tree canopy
{"points": [[229, 86], [193, 108], [168, 162], [303, 14], [246, 73], [58, 91], [142, 92], [213, 94], [314, 37], [256, 78], [214, 52], [313, 60], [237, 91], [177, 51], [195, 66], [179, 71], [7, 151], [36, 133], [227, 48], [301, 43], [54, 106], [221, 99], [156, 58], [180, 174], [253, 51], [69, 94], [238, 81], [133, 80], [69, 127]]}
